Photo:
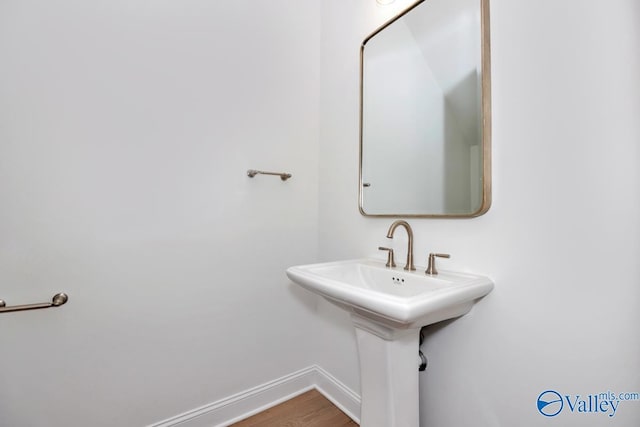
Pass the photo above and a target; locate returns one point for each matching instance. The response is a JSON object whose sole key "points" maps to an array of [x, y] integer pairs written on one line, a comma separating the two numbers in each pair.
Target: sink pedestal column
{"points": [[388, 374]]}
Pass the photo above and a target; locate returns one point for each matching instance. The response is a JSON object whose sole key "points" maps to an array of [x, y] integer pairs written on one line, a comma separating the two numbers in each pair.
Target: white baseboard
{"points": [[250, 402], [339, 394]]}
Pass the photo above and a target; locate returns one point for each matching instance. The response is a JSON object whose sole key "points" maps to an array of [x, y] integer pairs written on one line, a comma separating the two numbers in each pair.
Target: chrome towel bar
{"points": [[283, 176], [57, 300]]}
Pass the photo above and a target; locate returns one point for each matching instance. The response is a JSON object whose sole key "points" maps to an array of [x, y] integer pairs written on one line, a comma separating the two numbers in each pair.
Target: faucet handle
{"points": [[431, 268], [390, 261]]}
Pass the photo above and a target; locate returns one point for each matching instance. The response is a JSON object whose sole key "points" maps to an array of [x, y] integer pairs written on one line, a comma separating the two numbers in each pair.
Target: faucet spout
{"points": [[409, 265]]}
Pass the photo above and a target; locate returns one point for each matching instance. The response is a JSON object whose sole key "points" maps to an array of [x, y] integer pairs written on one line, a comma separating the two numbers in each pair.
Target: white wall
{"points": [[126, 129], [562, 239]]}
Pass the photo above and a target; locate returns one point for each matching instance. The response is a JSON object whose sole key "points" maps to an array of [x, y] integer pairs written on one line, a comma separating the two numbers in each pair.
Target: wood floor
{"points": [[310, 409]]}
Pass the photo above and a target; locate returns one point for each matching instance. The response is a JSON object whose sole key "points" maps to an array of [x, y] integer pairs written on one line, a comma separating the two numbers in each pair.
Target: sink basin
{"points": [[392, 297], [388, 307]]}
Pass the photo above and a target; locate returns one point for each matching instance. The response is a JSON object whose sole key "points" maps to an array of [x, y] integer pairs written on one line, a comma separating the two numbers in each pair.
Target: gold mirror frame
{"points": [[486, 119]]}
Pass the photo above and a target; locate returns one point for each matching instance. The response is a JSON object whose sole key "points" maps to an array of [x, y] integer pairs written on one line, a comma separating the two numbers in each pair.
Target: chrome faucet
{"points": [[409, 266]]}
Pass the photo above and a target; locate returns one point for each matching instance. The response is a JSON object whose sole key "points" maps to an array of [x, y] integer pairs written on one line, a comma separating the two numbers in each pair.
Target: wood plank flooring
{"points": [[310, 409]]}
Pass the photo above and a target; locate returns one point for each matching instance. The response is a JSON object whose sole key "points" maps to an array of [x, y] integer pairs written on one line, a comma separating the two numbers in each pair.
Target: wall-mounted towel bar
{"points": [[56, 301], [283, 176]]}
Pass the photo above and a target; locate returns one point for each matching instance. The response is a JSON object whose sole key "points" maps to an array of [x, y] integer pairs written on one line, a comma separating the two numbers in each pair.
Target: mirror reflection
{"points": [[425, 125]]}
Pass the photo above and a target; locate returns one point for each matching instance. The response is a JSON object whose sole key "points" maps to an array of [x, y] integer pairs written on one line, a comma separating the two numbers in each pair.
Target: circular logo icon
{"points": [[550, 403]]}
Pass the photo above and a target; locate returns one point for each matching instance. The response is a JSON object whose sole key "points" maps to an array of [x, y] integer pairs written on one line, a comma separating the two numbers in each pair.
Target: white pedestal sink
{"points": [[388, 307]]}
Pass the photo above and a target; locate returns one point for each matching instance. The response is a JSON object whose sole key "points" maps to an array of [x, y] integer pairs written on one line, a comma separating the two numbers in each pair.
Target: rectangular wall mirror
{"points": [[425, 113]]}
